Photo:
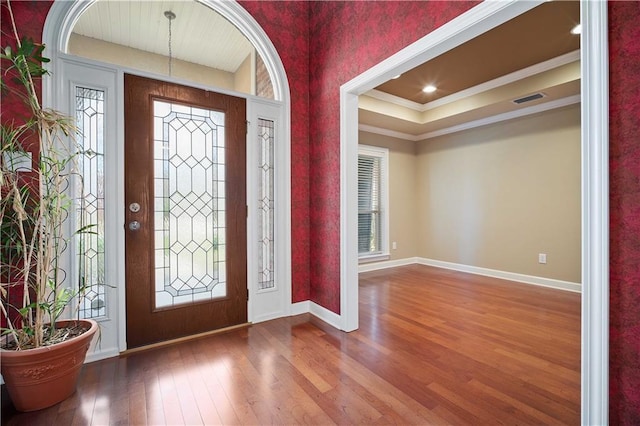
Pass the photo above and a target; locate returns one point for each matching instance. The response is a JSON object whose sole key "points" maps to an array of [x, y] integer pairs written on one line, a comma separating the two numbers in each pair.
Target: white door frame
{"points": [[595, 174], [56, 33]]}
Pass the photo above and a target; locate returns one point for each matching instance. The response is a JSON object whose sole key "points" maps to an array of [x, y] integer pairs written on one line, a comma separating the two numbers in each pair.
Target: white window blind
{"points": [[372, 210]]}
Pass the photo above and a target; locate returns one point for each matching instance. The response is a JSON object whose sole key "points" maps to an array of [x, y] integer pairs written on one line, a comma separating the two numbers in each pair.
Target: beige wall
{"points": [[402, 192], [498, 195], [492, 197], [138, 59], [242, 79]]}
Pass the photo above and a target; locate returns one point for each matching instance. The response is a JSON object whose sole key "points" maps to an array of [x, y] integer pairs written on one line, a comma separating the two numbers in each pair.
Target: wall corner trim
{"points": [[595, 212], [300, 308], [325, 315], [322, 313]]}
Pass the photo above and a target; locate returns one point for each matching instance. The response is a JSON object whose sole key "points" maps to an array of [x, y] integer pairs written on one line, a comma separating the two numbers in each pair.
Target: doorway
{"points": [[185, 210], [594, 175], [67, 70]]}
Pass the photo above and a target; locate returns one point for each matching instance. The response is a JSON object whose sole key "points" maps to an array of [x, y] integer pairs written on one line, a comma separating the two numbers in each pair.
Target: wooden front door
{"points": [[185, 202]]}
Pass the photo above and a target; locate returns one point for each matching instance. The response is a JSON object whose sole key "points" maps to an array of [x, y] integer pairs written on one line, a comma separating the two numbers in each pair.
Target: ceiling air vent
{"points": [[528, 98]]}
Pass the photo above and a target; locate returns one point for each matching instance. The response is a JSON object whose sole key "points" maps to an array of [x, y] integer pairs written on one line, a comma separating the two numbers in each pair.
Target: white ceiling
{"points": [[142, 25]]}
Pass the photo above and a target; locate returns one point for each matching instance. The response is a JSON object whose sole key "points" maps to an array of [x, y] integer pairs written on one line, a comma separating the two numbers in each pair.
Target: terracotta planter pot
{"points": [[40, 378]]}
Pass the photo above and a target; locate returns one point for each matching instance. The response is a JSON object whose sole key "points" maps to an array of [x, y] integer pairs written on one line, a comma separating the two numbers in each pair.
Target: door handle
{"points": [[134, 226]]}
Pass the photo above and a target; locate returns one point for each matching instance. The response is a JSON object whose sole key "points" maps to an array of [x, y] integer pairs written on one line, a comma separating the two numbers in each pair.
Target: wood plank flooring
{"points": [[434, 347]]}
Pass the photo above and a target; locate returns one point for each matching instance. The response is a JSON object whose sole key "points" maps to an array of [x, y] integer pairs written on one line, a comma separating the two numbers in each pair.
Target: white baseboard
{"points": [[308, 307], [325, 315], [374, 266], [299, 308], [511, 276], [99, 354], [269, 317]]}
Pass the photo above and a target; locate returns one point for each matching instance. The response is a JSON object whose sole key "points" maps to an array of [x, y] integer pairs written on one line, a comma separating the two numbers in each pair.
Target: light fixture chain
{"points": [[170, 50], [170, 16]]}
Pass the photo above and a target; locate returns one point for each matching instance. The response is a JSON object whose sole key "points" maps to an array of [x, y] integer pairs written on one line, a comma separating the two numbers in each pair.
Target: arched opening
{"points": [[72, 72], [63, 17], [169, 43]]}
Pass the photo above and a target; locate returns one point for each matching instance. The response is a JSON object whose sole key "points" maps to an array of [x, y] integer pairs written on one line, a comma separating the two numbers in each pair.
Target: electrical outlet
{"points": [[394, 246], [542, 258]]}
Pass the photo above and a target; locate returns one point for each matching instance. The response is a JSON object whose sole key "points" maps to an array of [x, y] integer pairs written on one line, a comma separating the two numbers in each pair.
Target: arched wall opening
{"points": [[66, 68]]}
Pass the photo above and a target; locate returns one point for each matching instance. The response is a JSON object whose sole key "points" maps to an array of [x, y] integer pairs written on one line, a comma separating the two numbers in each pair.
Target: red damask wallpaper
{"points": [[11, 106], [325, 44], [31, 25], [286, 24], [347, 38], [624, 175]]}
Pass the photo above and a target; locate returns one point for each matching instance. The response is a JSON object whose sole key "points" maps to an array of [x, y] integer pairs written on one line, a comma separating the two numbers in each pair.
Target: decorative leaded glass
{"points": [[189, 212], [90, 201], [265, 204]]}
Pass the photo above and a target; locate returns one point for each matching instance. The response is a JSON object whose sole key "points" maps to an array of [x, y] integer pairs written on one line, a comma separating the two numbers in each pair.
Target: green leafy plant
{"points": [[34, 205]]}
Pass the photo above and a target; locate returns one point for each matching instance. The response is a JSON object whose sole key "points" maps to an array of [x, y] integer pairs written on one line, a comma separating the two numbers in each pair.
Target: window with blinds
{"points": [[372, 210]]}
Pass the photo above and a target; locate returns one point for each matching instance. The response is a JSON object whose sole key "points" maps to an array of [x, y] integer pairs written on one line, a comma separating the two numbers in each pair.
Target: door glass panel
{"points": [[90, 105], [265, 204], [189, 192]]}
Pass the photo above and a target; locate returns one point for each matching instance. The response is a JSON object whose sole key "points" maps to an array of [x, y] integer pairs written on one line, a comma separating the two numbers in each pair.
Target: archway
{"points": [[65, 68]]}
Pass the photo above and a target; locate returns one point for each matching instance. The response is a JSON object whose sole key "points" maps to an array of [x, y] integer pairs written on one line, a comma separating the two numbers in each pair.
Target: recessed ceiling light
{"points": [[577, 29], [397, 76], [429, 89]]}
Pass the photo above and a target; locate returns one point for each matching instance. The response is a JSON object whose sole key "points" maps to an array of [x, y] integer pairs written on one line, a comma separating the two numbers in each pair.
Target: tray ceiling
{"points": [[511, 56]]}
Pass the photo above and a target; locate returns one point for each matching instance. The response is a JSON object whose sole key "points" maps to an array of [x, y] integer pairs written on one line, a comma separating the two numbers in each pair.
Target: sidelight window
{"points": [[90, 109], [266, 135]]}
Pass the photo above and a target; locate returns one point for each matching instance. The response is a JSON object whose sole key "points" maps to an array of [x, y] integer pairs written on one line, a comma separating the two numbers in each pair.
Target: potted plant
{"points": [[41, 355]]}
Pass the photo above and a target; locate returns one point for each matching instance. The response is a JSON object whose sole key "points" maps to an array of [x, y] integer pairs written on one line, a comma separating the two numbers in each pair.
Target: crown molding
{"points": [[396, 100], [539, 68], [387, 132], [523, 112], [546, 106]]}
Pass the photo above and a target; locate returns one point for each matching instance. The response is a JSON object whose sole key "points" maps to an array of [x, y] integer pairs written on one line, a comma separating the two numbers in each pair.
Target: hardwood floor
{"points": [[434, 347]]}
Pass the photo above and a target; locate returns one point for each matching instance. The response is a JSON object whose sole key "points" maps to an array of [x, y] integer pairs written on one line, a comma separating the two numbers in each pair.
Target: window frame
{"points": [[382, 154]]}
